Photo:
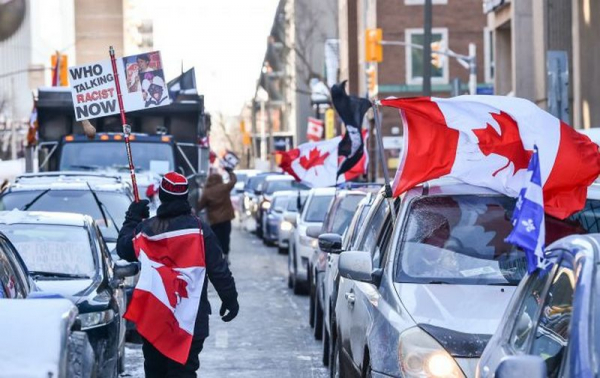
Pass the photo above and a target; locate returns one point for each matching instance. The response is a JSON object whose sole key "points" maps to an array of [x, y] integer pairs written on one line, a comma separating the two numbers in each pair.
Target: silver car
{"points": [[422, 297], [304, 241]]}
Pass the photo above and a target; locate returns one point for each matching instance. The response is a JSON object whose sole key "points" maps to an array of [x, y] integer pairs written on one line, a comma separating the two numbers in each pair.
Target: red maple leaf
{"points": [[175, 286], [313, 159], [507, 144]]}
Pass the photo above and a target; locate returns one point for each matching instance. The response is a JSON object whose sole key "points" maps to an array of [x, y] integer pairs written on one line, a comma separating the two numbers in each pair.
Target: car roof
{"points": [[278, 177], [323, 191], [68, 181], [44, 217], [290, 193]]}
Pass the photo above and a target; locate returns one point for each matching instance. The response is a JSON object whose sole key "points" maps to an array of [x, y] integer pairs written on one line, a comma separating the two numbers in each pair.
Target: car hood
{"points": [[471, 309], [75, 290]]}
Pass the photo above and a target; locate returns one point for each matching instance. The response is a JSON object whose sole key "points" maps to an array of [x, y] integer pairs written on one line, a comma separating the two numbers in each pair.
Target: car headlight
{"points": [[266, 205], [285, 226], [95, 319], [421, 355], [314, 243], [306, 240]]}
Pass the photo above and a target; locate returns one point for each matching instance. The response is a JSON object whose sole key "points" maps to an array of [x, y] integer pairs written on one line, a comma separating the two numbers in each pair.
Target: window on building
{"points": [[488, 51], [414, 56]]}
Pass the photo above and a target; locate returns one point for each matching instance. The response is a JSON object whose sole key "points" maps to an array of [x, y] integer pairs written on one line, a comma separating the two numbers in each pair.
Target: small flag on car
{"points": [[528, 219]]}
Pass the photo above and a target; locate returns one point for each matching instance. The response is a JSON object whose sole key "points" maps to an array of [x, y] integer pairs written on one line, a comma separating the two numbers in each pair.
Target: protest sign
{"points": [[142, 86], [229, 160]]}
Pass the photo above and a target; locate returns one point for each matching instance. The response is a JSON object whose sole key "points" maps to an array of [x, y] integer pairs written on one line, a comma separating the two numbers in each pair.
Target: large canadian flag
{"points": [[167, 296], [488, 141], [314, 163]]}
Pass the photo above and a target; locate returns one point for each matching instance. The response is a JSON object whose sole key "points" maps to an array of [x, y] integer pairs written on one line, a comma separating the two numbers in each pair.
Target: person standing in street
{"points": [[170, 306], [216, 200]]}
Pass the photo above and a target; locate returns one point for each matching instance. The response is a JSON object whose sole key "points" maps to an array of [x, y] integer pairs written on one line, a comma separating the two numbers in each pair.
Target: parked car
{"points": [[550, 328], [237, 193], [66, 254], [308, 226], [288, 223], [271, 185], [338, 217], [63, 351], [428, 297], [333, 244], [274, 215]]}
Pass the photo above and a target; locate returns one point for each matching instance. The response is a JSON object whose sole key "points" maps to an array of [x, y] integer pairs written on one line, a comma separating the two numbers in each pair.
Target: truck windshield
{"points": [[155, 157], [74, 201]]}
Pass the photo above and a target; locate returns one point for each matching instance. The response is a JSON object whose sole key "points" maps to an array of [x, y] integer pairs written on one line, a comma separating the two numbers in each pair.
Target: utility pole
{"points": [[427, 48], [472, 68]]}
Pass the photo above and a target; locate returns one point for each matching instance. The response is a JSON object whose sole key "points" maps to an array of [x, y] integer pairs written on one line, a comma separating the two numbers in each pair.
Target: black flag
{"points": [[352, 110], [182, 84]]}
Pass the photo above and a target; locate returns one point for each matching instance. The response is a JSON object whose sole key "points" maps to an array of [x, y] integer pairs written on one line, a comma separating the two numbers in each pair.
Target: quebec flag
{"points": [[529, 230]]}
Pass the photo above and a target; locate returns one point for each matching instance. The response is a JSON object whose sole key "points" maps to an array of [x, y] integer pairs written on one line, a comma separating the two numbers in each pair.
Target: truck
{"points": [[163, 139]]}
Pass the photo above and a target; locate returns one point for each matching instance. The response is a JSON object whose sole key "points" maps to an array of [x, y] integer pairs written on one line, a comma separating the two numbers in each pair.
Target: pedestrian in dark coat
{"points": [[216, 200], [175, 214]]}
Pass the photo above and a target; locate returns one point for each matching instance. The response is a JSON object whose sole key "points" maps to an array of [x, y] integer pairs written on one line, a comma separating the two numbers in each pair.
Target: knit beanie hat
{"points": [[173, 186]]}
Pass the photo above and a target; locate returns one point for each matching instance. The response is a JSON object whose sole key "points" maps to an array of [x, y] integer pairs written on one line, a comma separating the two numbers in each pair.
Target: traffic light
{"points": [[373, 47], [63, 64], [372, 80], [437, 60]]}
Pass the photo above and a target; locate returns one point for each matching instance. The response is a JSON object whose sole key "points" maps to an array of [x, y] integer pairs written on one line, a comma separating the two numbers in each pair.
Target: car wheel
{"points": [[326, 342], [318, 320], [82, 362], [311, 303]]}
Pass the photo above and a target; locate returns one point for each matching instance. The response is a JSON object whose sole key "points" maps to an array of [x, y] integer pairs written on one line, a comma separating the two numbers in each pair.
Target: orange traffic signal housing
{"points": [[373, 47]]}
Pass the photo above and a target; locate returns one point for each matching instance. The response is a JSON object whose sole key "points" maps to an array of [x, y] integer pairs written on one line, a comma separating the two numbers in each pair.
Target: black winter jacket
{"points": [[176, 215]]}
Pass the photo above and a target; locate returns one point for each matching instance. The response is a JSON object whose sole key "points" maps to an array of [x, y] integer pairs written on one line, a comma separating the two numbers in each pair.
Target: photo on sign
{"points": [[154, 89], [136, 65]]}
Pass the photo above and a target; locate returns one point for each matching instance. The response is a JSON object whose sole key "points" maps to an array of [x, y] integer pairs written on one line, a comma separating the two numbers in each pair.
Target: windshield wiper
{"points": [[84, 166], [439, 282], [56, 274], [103, 209], [34, 200]]}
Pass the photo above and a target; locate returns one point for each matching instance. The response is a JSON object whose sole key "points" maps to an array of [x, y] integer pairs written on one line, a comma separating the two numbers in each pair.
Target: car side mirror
{"points": [[126, 270], [356, 266], [290, 217], [330, 243], [522, 366], [313, 232]]}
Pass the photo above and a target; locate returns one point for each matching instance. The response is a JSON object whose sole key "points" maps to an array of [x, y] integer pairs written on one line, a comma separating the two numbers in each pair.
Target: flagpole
{"points": [[126, 127], [386, 176]]}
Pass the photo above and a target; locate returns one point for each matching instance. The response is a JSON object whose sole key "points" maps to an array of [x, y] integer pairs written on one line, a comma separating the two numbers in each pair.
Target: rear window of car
{"points": [[74, 201], [317, 208], [460, 239]]}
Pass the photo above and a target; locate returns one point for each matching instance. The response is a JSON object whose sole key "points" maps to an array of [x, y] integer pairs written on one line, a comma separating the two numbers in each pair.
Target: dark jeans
{"points": [[157, 365], [223, 232]]}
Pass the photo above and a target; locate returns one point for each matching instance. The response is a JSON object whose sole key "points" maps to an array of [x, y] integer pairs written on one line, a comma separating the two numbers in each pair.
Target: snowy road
{"points": [[270, 337]]}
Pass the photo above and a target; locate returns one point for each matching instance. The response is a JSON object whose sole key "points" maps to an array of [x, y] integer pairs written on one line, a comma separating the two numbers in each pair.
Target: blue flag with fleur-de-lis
{"points": [[529, 230]]}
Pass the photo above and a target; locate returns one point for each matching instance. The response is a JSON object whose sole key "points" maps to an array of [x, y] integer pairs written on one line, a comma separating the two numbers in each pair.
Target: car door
{"points": [[350, 315]]}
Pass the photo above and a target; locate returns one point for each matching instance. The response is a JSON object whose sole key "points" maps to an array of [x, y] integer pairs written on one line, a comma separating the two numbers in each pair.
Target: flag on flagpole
{"points": [[56, 72], [488, 141], [528, 219], [314, 163]]}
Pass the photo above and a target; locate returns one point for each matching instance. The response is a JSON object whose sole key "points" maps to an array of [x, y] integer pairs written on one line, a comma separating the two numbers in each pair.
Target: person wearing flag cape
{"points": [[169, 305]]}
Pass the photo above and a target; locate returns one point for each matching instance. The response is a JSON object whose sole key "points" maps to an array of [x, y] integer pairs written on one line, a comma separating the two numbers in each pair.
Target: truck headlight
{"points": [[285, 226], [95, 319], [266, 205], [420, 355]]}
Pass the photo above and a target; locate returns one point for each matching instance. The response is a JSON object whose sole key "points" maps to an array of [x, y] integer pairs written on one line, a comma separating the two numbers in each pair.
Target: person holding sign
{"points": [[169, 305], [217, 202]]}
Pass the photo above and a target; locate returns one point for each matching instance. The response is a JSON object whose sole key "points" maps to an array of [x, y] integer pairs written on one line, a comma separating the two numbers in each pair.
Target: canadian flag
{"points": [[167, 296], [488, 141], [314, 129], [314, 163]]}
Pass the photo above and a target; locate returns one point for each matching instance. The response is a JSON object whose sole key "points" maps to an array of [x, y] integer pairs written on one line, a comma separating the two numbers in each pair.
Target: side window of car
{"points": [[552, 331], [371, 233], [10, 285], [528, 312]]}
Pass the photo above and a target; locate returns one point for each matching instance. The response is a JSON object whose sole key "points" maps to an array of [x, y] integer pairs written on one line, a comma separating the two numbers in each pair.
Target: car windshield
{"points": [[279, 203], [279, 185], [53, 248], [155, 157], [460, 239], [344, 212], [317, 208], [74, 201]]}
